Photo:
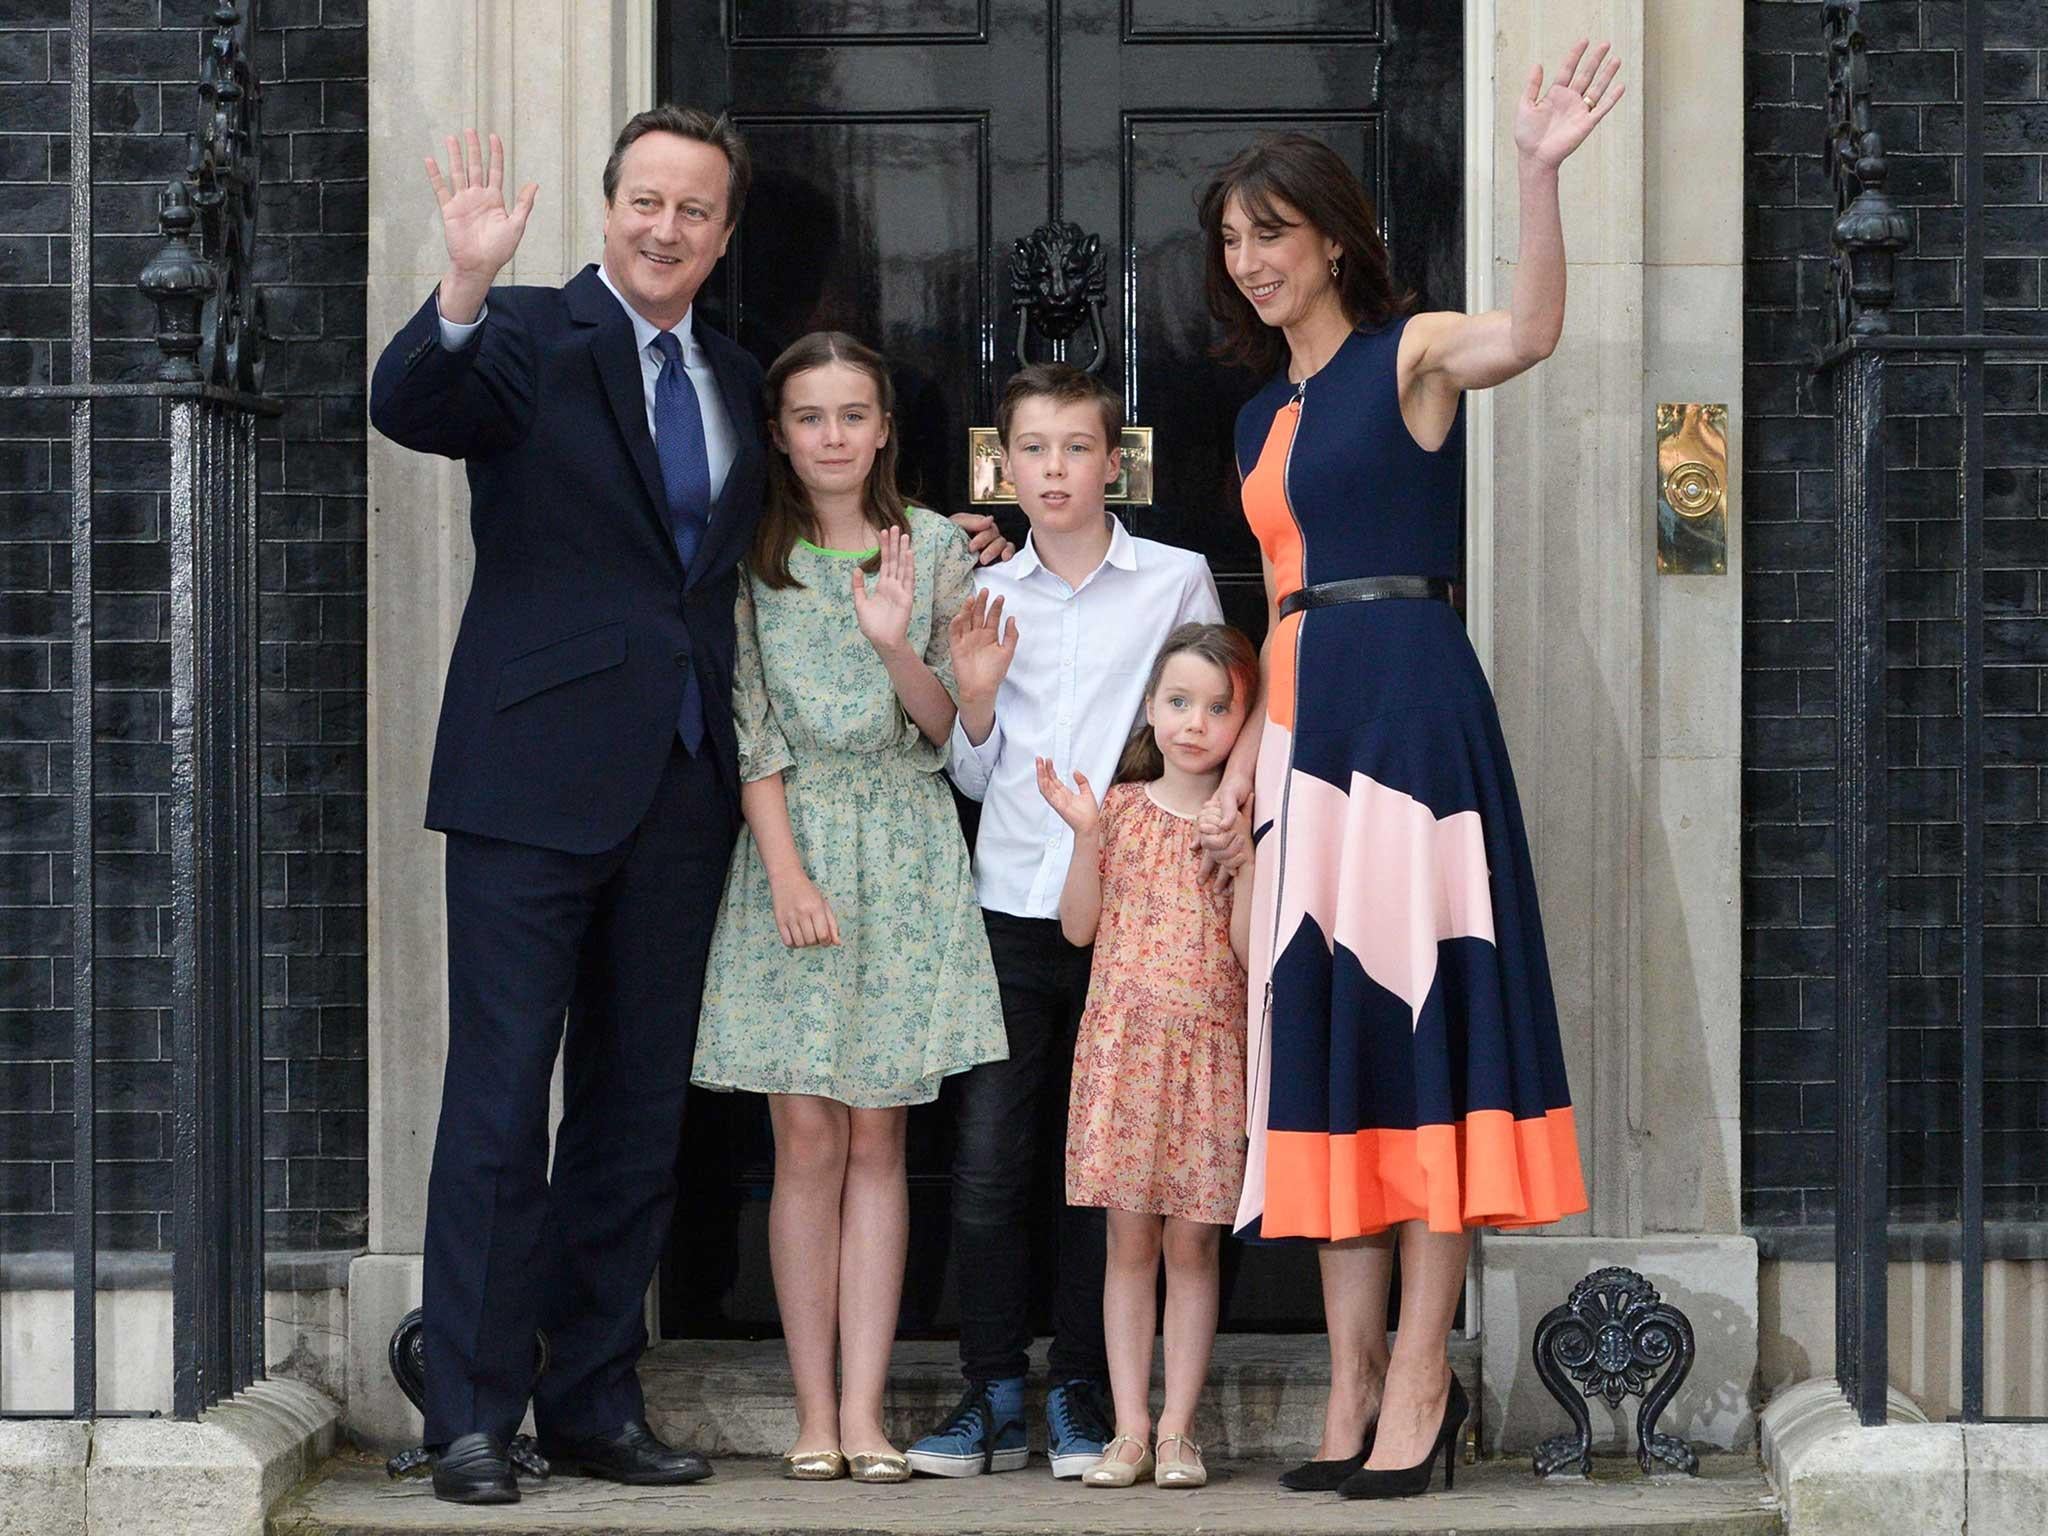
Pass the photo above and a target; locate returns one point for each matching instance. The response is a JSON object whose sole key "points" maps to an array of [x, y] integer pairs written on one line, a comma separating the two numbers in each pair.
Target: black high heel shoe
{"points": [[1406, 1482], [1327, 1476]]}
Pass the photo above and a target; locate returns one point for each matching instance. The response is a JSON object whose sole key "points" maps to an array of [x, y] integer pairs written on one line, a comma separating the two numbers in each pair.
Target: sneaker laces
{"points": [[974, 1416], [1087, 1409]]}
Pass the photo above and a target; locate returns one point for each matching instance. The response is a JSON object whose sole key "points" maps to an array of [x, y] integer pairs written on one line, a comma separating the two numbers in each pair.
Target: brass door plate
{"points": [[1692, 489], [987, 485]]}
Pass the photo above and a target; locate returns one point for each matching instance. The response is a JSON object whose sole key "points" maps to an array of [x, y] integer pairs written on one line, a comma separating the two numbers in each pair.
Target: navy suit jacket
{"points": [[560, 707]]}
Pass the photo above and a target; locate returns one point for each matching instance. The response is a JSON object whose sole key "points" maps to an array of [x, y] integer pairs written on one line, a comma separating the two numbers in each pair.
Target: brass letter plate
{"points": [[987, 486], [1692, 490]]}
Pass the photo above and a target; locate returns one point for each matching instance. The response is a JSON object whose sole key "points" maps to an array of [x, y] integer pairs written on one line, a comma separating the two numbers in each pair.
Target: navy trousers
{"points": [[609, 947]]}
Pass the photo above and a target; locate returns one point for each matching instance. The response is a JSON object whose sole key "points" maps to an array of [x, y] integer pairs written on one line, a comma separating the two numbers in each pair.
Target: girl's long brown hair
{"points": [[1226, 649], [786, 514], [1312, 179]]}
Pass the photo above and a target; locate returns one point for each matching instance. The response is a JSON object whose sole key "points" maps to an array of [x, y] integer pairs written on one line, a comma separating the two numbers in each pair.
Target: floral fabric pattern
{"points": [[1155, 1120], [909, 993]]}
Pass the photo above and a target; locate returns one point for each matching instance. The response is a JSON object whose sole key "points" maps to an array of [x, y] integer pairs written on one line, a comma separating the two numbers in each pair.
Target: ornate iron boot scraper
{"points": [[1617, 1338]]}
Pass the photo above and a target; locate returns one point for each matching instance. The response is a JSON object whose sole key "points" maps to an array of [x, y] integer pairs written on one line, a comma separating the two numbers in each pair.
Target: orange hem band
{"points": [[1490, 1171]]}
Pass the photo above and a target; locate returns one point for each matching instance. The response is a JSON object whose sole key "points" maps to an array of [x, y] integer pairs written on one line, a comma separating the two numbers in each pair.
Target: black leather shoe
{"points": [[473, 1469], [1324, 1476], [631, 1454]]}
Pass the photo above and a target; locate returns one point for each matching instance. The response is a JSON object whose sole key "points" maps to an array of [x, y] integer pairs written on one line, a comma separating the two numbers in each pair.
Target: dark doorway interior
{"points": [[901, 147]]}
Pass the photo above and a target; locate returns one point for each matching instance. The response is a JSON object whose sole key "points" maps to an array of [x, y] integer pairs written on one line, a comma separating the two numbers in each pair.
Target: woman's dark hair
{"points": [[786, 514], [1313, 181], [1226, 649]]}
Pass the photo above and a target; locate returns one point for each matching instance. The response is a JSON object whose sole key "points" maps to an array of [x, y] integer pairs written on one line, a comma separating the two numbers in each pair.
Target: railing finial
{"points": [[1869, 230]]}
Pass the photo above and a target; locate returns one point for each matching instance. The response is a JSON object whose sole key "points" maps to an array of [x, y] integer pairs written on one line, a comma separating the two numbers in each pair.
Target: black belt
{"points": [[1366, 589]]}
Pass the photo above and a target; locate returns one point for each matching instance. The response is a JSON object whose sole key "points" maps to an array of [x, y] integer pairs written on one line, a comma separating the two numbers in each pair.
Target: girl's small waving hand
{"points": [[1077, 807], [883, 611]]}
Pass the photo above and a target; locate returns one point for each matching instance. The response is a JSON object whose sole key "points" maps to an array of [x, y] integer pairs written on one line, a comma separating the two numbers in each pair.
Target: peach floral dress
{"points": [[1156, 1120]]}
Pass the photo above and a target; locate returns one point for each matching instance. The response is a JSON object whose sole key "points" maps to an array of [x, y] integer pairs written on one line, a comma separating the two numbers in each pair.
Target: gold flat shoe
{"points": [[814, 1466], [1183, 1469], [881, 1467], [1111, 1472]]}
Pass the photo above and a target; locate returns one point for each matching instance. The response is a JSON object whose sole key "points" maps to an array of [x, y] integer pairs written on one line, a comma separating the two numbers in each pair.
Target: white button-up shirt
{"points": [[1074, 690], [720, 446]]}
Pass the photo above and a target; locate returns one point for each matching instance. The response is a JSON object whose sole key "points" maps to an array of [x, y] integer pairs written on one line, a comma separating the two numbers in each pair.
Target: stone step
{"points": [[1496, 1498], [1264, 1400]]}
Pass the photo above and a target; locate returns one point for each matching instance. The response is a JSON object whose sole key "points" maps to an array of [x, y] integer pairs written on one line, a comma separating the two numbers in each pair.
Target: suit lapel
{"points": [[740, 412], [618, 367]]}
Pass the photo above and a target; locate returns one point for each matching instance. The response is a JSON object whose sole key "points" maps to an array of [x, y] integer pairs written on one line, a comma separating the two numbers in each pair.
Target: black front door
{"points": [[901, 147]]}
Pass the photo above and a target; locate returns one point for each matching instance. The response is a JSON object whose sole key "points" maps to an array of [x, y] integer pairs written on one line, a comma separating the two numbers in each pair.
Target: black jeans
{"points": [[1011, 1137]]}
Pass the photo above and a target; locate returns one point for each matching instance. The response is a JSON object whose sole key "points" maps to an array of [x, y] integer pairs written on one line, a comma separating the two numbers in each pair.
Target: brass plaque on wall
{"points": [[987, 485], [1692, 489]]}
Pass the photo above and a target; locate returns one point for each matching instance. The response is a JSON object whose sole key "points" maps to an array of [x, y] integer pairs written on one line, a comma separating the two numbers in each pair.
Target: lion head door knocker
{"points": [[408, 1356], [1058, 285], [1617, 1338]]}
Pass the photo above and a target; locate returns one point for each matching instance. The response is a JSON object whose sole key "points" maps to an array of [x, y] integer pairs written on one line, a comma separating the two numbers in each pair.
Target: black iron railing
{"points": [[1869, 232], [209, 382]]}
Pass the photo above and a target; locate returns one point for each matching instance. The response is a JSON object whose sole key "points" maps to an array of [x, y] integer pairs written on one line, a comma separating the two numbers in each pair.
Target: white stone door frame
{"points": [[1619, 690]]}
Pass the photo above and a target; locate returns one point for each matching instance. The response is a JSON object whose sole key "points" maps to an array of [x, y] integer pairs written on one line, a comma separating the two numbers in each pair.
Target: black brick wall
{"points": [[311, 57], [1789, 603]]}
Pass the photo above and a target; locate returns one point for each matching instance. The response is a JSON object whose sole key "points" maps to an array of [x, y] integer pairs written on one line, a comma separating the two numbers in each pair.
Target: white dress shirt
{"points": [[1073, 692], [720, 446]]}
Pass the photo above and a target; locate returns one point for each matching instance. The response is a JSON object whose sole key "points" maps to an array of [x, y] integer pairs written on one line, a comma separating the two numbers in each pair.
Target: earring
{"points": [[1335, 273]]}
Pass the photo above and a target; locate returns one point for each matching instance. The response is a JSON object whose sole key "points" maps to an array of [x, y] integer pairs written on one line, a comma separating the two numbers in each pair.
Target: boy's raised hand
{"points": [[883, 614], [982, 648], [1076, 806]]}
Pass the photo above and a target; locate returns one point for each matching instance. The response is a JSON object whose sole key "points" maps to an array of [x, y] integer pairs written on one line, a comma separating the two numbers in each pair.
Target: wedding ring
{"points": [[1590, 103]]}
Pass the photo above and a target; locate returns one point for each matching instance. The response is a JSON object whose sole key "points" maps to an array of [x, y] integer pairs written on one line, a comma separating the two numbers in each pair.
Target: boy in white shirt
{"points": [[1050, 660]]}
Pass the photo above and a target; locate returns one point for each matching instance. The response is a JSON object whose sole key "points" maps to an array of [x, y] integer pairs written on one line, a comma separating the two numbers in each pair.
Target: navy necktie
{"points": [[686, 478]]}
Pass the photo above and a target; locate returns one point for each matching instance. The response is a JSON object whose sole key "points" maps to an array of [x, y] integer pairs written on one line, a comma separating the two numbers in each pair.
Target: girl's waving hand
{"points": [[1077, 806]]}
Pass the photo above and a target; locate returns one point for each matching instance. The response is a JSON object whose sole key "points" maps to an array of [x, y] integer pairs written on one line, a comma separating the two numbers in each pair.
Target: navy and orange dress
{"points": [[1403, 1061]]}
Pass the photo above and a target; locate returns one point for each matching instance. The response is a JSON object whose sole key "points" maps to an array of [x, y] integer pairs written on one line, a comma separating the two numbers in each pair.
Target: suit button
{"points": [[682, 658]]}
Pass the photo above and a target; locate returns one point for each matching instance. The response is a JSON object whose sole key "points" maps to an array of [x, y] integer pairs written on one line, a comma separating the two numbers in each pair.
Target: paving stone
{"points": [[1729, 1498]]}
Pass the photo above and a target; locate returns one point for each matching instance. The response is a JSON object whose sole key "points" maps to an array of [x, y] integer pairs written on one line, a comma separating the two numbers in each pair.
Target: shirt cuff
{"points": [[455, 337], [971, 766]]}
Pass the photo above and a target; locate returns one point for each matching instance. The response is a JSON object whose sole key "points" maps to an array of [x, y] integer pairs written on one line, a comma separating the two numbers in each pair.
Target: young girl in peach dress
{"points": [[1155, 1125]]}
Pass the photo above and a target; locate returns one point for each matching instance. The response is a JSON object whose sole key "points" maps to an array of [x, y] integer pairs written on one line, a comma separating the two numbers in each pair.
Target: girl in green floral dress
{"points": [[850, 970]]}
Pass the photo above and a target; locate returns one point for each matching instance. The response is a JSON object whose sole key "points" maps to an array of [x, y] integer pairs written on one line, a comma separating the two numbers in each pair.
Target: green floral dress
{"points": [[909, 993]]}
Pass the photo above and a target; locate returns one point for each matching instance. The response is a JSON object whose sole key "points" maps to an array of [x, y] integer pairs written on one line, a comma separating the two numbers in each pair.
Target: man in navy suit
{"points": [[585, 776]]}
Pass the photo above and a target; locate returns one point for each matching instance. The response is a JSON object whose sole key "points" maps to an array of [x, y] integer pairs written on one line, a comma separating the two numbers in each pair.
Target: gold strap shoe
{"points": [[1182, 1469], [881, 1467], [814, 1466], [1113, 1471]]}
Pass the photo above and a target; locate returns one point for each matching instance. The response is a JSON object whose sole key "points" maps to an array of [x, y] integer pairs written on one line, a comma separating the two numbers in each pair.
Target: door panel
{"points": [[901, 147]]}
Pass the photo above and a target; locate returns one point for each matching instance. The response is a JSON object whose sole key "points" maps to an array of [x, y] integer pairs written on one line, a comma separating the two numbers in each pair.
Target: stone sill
{"points": [[50, 1270], [1930, 1242]]}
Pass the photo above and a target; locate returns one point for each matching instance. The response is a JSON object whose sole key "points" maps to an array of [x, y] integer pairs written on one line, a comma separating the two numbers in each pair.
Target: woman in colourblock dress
{"points": [[1404, 1067], [1155, 1116], [850, 970]]}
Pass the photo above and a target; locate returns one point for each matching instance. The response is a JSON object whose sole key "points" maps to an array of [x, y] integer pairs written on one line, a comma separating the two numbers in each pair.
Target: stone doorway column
{"points": [[554, 79]]}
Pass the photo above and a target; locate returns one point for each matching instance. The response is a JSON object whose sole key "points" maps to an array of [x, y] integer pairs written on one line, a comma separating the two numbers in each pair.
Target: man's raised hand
{"points": [[481, 232]]}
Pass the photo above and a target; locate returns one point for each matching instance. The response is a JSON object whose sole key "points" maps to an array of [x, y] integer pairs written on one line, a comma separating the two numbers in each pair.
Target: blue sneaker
{"points": [[1077, 1424], [984, 1434]]}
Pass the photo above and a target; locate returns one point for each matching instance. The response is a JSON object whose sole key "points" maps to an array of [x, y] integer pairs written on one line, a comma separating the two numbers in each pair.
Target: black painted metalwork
{"points": [[1970, 808], [208, 382], [1868, 233], [1059, 283], [1616, 1338], [408, 1359], [84, 935]]}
